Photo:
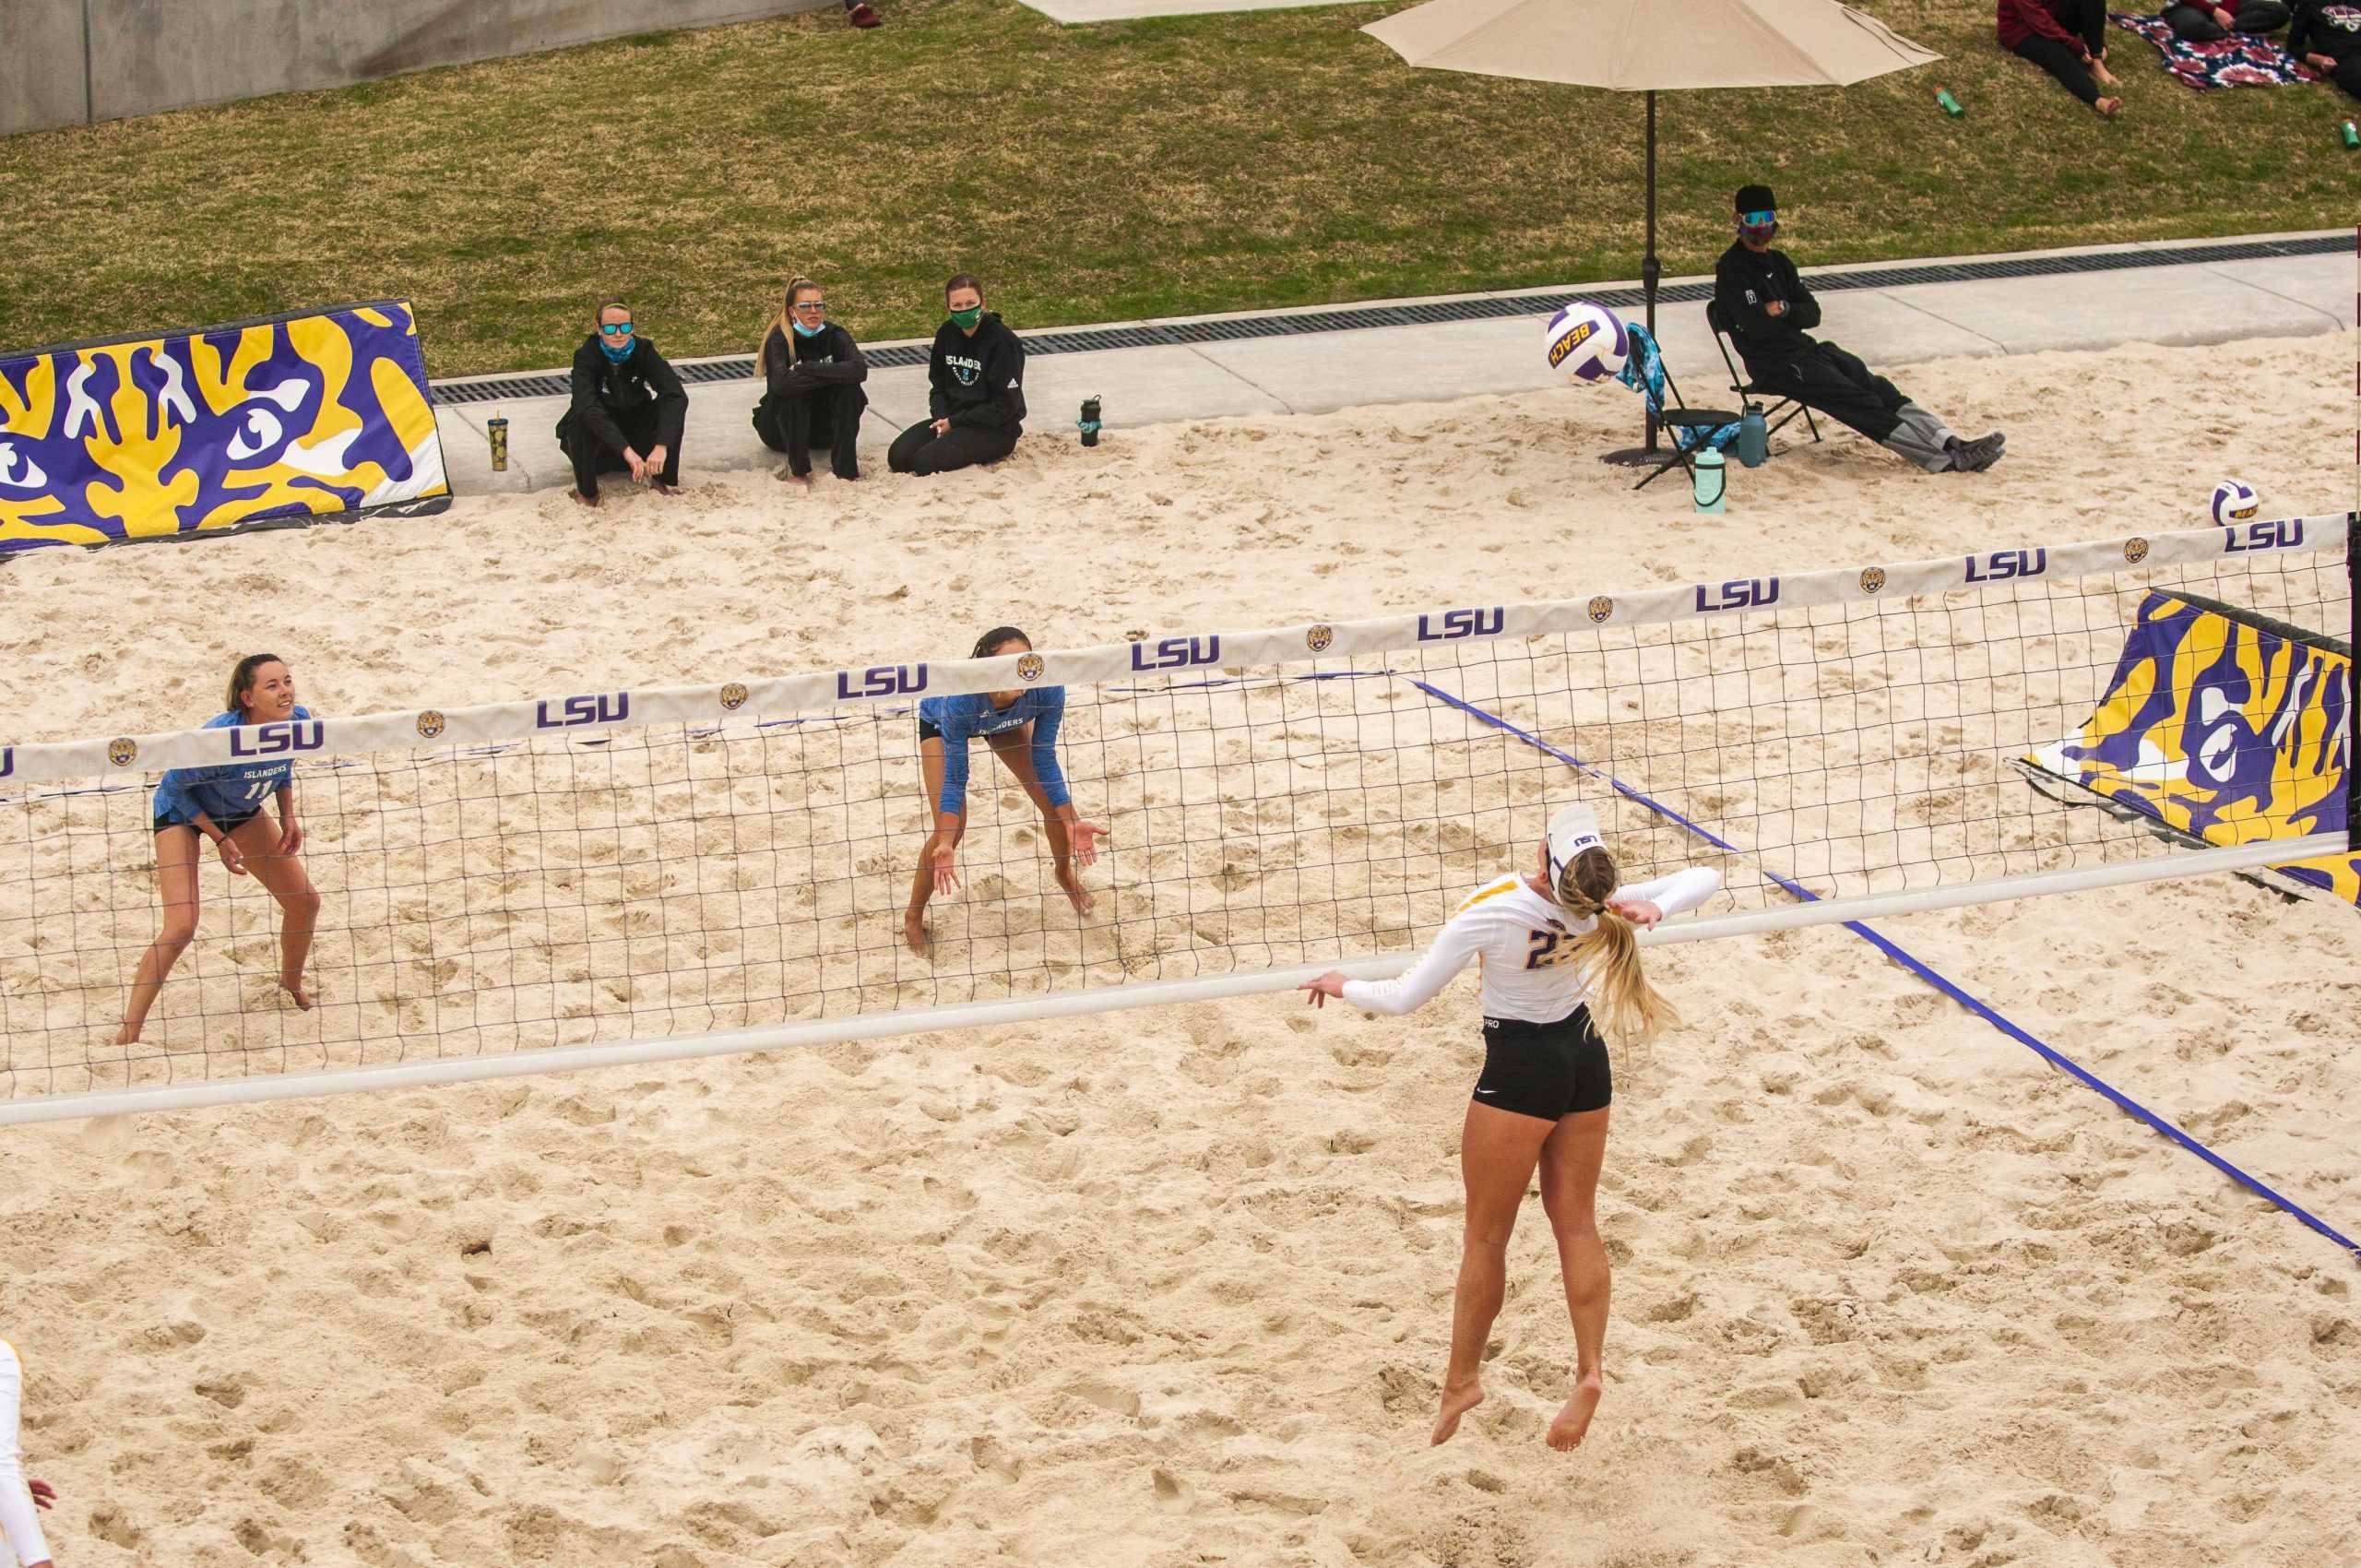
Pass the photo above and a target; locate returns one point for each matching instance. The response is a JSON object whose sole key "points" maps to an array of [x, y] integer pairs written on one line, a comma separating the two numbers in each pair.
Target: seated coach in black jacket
{"points": [[975, 399], [628, 409], [812, 376], [1771, 315]]}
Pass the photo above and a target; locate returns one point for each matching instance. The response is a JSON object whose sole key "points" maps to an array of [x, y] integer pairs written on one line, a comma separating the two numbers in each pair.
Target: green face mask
{"points": [[964, 319]]}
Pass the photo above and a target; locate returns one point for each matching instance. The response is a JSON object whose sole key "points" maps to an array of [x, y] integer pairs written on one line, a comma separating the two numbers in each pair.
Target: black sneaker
{"points": [[1978, 455]]}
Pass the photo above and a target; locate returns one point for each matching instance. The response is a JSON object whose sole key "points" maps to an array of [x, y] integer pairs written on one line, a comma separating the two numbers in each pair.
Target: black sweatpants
{"points": [[919, 450], [2195, 24], [2346, 73], [1838, 385], [2085, 19], [828, 418], [642, 428]]}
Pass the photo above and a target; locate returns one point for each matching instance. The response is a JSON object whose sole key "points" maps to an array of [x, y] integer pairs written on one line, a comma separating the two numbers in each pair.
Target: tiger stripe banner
{"points": [[265, 423], [2226, 727]]}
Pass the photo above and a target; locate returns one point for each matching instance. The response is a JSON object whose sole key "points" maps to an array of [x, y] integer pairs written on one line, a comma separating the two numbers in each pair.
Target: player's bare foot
{"points": [[1573, 1418], [1457, 1402], [582, 500], [303, 998], [788, 476], [1075, 893], [914, 933]]}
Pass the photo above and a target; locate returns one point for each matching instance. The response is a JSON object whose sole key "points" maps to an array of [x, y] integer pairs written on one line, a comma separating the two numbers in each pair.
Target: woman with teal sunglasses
{"points": [[628, 411]]}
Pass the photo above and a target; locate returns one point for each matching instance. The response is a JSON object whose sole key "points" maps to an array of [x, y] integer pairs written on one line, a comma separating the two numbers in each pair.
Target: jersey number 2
{"points": [[1544, 944]]}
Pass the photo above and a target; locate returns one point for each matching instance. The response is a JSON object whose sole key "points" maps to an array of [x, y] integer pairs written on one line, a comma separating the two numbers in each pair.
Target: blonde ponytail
{"points": [[783, 324], [1622, 1004]]}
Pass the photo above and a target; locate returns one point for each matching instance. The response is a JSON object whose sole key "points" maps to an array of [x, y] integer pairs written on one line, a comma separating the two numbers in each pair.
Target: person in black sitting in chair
{"points": [[628, 409], [1771, 315]]}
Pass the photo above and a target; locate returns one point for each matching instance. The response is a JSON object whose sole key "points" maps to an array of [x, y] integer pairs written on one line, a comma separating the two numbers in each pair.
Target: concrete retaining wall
{"points": [[142, 56]]}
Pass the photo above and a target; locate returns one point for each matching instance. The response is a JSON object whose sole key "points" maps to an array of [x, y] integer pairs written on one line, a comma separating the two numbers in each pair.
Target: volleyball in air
{"points": [[2234, 502], [1587, 343]]}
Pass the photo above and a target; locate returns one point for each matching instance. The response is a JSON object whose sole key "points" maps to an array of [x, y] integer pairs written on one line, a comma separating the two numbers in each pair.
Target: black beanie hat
{"points": [[1755, 199]]}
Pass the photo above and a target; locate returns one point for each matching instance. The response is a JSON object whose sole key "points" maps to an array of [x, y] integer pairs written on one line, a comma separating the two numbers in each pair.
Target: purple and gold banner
{"points": [[2225, 731], [216, 430]]}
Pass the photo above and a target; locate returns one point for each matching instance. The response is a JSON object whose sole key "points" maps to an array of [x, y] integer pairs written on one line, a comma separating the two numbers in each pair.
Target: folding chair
{"points": [[1690, 429], [1745, 388]]}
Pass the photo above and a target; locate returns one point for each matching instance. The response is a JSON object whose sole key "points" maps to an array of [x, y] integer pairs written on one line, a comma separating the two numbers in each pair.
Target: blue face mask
{"points": [[804, 331]]}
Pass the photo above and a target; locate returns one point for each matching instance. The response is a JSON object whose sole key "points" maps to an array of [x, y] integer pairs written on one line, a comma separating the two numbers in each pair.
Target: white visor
{"points": [[1572, 830]]}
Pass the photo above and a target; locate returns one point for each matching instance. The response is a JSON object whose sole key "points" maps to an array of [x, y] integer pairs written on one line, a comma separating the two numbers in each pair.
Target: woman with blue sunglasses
{"points": [[628, 410]]}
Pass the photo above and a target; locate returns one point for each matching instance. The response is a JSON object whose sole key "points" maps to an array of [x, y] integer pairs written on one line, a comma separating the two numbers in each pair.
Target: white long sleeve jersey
{"points": [[1525, 942]]}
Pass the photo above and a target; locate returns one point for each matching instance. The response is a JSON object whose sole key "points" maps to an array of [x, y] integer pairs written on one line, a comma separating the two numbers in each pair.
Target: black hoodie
{"points": [[827, 358], [978, 381], [1745, 283], [2321, 28], [602, 389]]}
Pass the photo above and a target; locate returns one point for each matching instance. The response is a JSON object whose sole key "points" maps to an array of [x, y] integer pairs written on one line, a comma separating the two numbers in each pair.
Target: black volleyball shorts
{"points": [[1544, 1070]]}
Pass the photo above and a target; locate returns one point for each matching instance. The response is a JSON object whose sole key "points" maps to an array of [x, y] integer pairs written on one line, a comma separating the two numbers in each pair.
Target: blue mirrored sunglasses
{"points": [[1763, 219], [616, 328]]}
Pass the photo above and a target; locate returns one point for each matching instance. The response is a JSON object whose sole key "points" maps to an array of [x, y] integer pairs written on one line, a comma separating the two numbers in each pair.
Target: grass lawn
{"points": [[1094, 173]]}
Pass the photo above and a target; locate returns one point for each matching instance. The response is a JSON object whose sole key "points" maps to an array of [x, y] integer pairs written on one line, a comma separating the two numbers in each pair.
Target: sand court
{"points": [[1170, 1286]]}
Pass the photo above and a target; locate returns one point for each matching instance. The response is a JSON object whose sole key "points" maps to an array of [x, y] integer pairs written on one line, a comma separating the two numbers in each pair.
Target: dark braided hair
{"points": [[997, 635]]}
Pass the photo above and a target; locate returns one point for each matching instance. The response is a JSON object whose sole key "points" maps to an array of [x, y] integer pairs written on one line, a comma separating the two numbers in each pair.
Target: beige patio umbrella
{"points": [[1651, 46]]}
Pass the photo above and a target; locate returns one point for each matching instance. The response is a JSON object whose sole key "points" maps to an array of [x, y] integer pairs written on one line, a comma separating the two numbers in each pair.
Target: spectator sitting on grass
{"points": [[976, 397], [2205, 22], [628, 409], [2066, 37], [812, 376], [2326, 35]]}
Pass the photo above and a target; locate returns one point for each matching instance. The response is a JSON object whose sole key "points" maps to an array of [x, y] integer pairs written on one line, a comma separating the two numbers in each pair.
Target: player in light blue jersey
{"points": [[1021, 726], [223, 804]]}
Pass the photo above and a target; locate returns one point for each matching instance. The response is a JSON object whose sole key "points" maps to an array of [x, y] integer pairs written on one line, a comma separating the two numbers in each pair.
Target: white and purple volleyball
{"points": [[2236, 501], [1587, 343]]}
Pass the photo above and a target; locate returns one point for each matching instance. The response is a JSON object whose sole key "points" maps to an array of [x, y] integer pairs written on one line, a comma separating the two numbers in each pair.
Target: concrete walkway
{"points": [[2193, 301]]}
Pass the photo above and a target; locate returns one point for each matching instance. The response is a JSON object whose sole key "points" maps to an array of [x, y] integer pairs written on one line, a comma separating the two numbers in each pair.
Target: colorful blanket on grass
{"points": [[2239, 60]]}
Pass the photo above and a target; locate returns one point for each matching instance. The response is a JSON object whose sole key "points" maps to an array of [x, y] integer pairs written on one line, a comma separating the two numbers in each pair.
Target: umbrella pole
{"points": [[1649, 271], [1647, 453]]}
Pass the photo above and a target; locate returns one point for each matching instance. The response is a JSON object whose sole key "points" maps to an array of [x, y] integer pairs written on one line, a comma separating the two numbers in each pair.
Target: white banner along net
{"points": [[632, 865]]}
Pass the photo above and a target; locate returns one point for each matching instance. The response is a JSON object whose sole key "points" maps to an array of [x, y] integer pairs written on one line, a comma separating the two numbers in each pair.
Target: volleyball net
{"points": [[640, 875]]}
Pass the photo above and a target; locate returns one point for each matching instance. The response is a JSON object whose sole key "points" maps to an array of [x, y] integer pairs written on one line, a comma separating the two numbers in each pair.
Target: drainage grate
{"points": [[1347, 318]]}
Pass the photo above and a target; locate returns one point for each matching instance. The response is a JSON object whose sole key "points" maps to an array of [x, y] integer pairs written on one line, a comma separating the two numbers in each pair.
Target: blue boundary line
{"points": [[2120, 1100]]}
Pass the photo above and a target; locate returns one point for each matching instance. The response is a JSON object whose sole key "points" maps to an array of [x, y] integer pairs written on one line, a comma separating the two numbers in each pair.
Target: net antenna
{"points": [[594, 879]]}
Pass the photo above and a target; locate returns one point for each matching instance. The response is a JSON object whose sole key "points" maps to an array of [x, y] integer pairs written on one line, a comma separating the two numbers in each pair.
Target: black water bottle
{"points": [[1090, 422]]}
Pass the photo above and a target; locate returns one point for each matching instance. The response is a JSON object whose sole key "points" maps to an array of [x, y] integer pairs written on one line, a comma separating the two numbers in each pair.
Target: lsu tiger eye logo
{"points": [[1873, 579], [430, 724], [1601, 608], [1319, 637], [2135, 549], [123, 752], [1029, 667], [734, 697]]}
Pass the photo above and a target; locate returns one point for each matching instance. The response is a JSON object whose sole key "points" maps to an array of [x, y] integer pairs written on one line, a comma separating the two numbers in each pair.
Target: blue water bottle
{"points": [[1708, 480], [1753, 437]]}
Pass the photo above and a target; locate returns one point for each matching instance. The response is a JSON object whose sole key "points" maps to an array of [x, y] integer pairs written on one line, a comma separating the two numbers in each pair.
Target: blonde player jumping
{"points": [[1547, 942]]}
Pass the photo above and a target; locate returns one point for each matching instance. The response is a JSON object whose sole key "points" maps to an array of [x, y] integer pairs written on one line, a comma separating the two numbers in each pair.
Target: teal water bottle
{"points": [[1951, 105], [1708, 480], [1753, 437], [2348, 136]]}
